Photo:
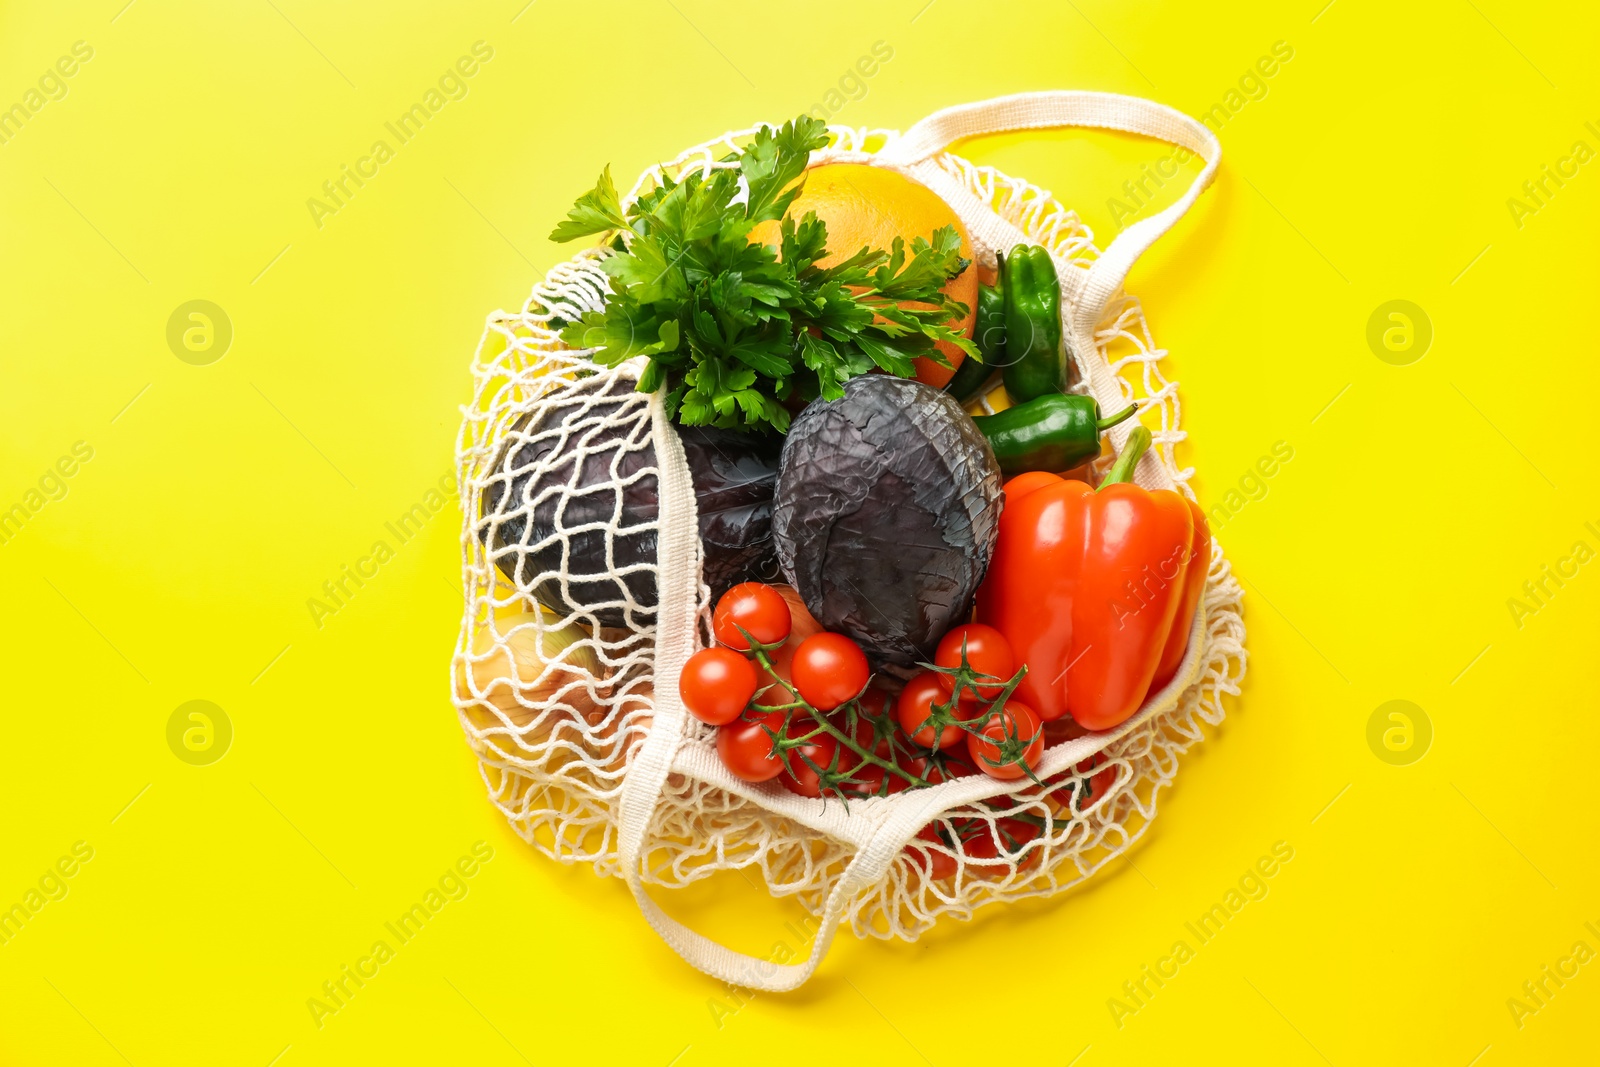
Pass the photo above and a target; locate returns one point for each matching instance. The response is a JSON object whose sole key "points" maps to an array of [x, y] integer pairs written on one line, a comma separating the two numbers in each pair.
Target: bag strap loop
{"points": [[678, 556], [1043, 110], [868, 866]]}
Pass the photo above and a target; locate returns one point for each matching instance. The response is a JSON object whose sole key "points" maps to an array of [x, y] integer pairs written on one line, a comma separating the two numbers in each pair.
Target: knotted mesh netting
{"points": [[569, 514]]}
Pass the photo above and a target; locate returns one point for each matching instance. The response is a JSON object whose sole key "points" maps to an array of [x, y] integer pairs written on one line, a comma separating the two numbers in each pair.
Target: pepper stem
{"points": [[1122, 469], [1111, 420]]}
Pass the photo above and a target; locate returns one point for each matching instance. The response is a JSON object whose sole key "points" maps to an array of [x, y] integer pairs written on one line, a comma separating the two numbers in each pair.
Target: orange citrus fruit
{"points": [[868, 207]]}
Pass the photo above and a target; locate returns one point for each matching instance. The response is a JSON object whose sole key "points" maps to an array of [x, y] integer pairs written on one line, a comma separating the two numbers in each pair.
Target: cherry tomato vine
{"points": [[849, 756]]}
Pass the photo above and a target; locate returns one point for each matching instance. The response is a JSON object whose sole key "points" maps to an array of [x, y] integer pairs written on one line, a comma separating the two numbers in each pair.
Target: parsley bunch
{"points": [[734, 329]]}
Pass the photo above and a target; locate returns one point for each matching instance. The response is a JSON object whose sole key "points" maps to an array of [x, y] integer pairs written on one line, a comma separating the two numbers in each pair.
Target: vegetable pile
{"points": [[956, 595]]}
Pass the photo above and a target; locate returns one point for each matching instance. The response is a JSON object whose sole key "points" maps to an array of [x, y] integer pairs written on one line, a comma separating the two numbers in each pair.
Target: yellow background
{"points": [[1376, 166]]}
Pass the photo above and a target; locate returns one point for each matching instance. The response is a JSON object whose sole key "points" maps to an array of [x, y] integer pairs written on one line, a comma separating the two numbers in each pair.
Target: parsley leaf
{"points": [[595, 212], [773, 161], [734, 331]]}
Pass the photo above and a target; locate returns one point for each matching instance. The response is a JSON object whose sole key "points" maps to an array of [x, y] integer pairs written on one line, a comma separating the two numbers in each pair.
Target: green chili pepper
{"points": [[989, 333], [1054, 432], [1035, 362]]}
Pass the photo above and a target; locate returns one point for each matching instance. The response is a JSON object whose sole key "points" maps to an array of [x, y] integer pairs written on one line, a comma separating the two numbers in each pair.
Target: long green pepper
{"points": [[989, 334], [1055, 432], [1035, 357]]}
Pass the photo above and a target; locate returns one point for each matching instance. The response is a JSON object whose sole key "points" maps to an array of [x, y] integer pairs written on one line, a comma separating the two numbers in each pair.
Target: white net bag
{"points": [[575, 716]]}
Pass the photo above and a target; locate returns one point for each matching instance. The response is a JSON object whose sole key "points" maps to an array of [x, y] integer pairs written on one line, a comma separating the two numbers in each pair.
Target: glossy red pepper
{"points": [[1095, 589]]}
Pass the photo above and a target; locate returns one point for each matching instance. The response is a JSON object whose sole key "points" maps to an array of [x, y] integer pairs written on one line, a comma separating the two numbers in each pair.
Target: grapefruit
{"points": [[866, 206]]}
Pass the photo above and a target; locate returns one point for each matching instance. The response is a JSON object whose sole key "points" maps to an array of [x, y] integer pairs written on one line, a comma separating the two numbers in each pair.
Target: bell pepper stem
{"points": [[1122, 469], [1111, 420]]}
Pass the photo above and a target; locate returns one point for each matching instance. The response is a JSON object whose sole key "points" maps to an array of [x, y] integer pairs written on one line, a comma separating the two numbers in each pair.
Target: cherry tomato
{"points": [[980, 842], [758, 608], [988, 653], [937, 863], [1091, 783], [716, 685], [916, 704], [799, 777], [746, 750], [829, 669], [1013, 720]]}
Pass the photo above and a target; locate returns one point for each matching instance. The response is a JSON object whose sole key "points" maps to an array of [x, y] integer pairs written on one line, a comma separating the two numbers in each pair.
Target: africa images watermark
{"points": [[1153, 579], [852, 84], [51, 486], [1399, 732], [337, 192], [1138, 992], [199, 732], [1538, 592], [1253, 485], [52, 85], [782, 952], [1251, 86], [52, 885], [338, 591], [1537, 192], [1537, 992], [339, 991]]}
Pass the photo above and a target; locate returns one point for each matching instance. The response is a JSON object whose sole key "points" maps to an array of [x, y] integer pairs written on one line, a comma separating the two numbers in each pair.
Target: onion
{"points": [[632, 715], [534, 673]]}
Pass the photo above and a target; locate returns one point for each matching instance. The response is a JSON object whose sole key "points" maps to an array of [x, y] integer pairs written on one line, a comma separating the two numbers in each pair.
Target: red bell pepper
{"points": [[1095, 590]]}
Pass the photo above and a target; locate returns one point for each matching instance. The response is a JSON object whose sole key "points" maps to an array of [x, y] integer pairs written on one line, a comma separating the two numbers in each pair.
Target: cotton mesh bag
{"points": [[574, 715]]}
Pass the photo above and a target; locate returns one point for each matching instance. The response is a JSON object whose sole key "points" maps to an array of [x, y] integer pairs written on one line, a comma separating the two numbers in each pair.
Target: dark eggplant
{"points": [[887, 510], [599, 437]]}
